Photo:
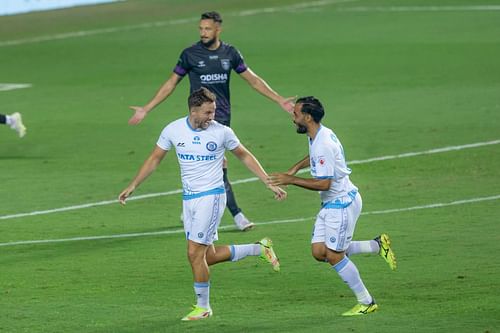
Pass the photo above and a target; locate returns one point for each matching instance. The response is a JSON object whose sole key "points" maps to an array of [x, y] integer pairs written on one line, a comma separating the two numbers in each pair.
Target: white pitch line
{"points": [[148, 25], [250, 12], [85, 33], [426, 152], [88, 205], [400, 9], [252, 179], [14, 86], [178, 231], [436, 205]]}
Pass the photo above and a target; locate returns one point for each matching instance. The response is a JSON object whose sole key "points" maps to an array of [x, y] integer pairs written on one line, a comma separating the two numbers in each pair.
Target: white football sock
{"points": [[356, 247], [202, 291], [239, 252], [9, 121], [350, 275]]}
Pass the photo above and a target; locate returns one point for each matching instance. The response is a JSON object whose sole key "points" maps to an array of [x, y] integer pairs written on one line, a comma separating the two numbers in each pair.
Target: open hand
{"points": [[138, 116], [288, 104]]}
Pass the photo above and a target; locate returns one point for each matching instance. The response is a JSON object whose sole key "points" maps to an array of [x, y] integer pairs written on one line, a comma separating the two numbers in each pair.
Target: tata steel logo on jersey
{"points": [[213, 78], [196, 140], [211, 146], [196, 158]]}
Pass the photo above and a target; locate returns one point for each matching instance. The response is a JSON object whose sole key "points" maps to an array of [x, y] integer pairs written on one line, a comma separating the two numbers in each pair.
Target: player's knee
{"points": [[194, 255], [334, 257], [191, 256], [318, 254]]}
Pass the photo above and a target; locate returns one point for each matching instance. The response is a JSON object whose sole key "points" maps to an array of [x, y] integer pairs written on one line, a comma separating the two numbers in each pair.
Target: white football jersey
{"points": [[200, 154], [327, 161]]}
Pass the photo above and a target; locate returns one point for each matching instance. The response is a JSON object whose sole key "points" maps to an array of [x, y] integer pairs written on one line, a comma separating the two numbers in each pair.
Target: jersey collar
{"points": [[311, 141], [190, 127]]}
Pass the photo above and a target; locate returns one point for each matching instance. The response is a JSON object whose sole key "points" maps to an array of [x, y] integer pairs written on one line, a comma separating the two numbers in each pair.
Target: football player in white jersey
{"points": [[340, 203], [209, 63], [200, 143]]}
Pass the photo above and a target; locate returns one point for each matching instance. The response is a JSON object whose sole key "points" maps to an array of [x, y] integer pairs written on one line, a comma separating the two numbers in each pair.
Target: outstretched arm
{"points": [[263, 88], [253, 165], [165, 90], [147, 168]]}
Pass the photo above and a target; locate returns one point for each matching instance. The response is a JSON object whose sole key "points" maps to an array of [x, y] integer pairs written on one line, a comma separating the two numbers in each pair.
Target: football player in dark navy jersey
{"points": [[212, 69], [208, 64]]}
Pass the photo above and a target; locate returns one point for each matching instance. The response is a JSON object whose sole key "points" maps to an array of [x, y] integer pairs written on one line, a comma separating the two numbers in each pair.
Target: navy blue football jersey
{"points": [[212, 69]]}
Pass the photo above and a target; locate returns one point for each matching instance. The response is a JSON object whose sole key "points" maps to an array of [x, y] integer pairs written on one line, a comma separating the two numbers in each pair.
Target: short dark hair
{"points": [[312, 106], [212, 16], [200, 97]]}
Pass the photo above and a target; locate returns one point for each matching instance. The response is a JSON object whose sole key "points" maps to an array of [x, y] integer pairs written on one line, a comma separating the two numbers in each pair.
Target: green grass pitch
{"points": [[396, 76]]}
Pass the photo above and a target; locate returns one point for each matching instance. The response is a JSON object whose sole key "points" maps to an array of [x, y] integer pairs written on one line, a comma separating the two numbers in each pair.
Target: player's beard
{"points": [[209, 43], [301, 129]]}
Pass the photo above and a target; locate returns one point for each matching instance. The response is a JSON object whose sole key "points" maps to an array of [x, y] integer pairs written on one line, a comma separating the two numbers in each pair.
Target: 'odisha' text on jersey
{"points": [[212, 69], [327, 161], [200, 153]]}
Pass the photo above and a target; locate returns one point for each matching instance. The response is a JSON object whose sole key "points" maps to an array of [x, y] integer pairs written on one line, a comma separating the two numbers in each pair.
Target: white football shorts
{"points": [[202, 217], [335, 226]]}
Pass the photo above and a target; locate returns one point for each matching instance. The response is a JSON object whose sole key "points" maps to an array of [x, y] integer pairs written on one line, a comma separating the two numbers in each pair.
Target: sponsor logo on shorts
{"points": [[333, 239], [200, 235], [211, 146]]}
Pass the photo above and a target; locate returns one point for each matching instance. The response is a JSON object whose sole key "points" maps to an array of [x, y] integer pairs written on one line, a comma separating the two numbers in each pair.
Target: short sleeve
{"points": [[182, 67], [238, 62], [231, 141], [164, 141], [325, 163]]}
